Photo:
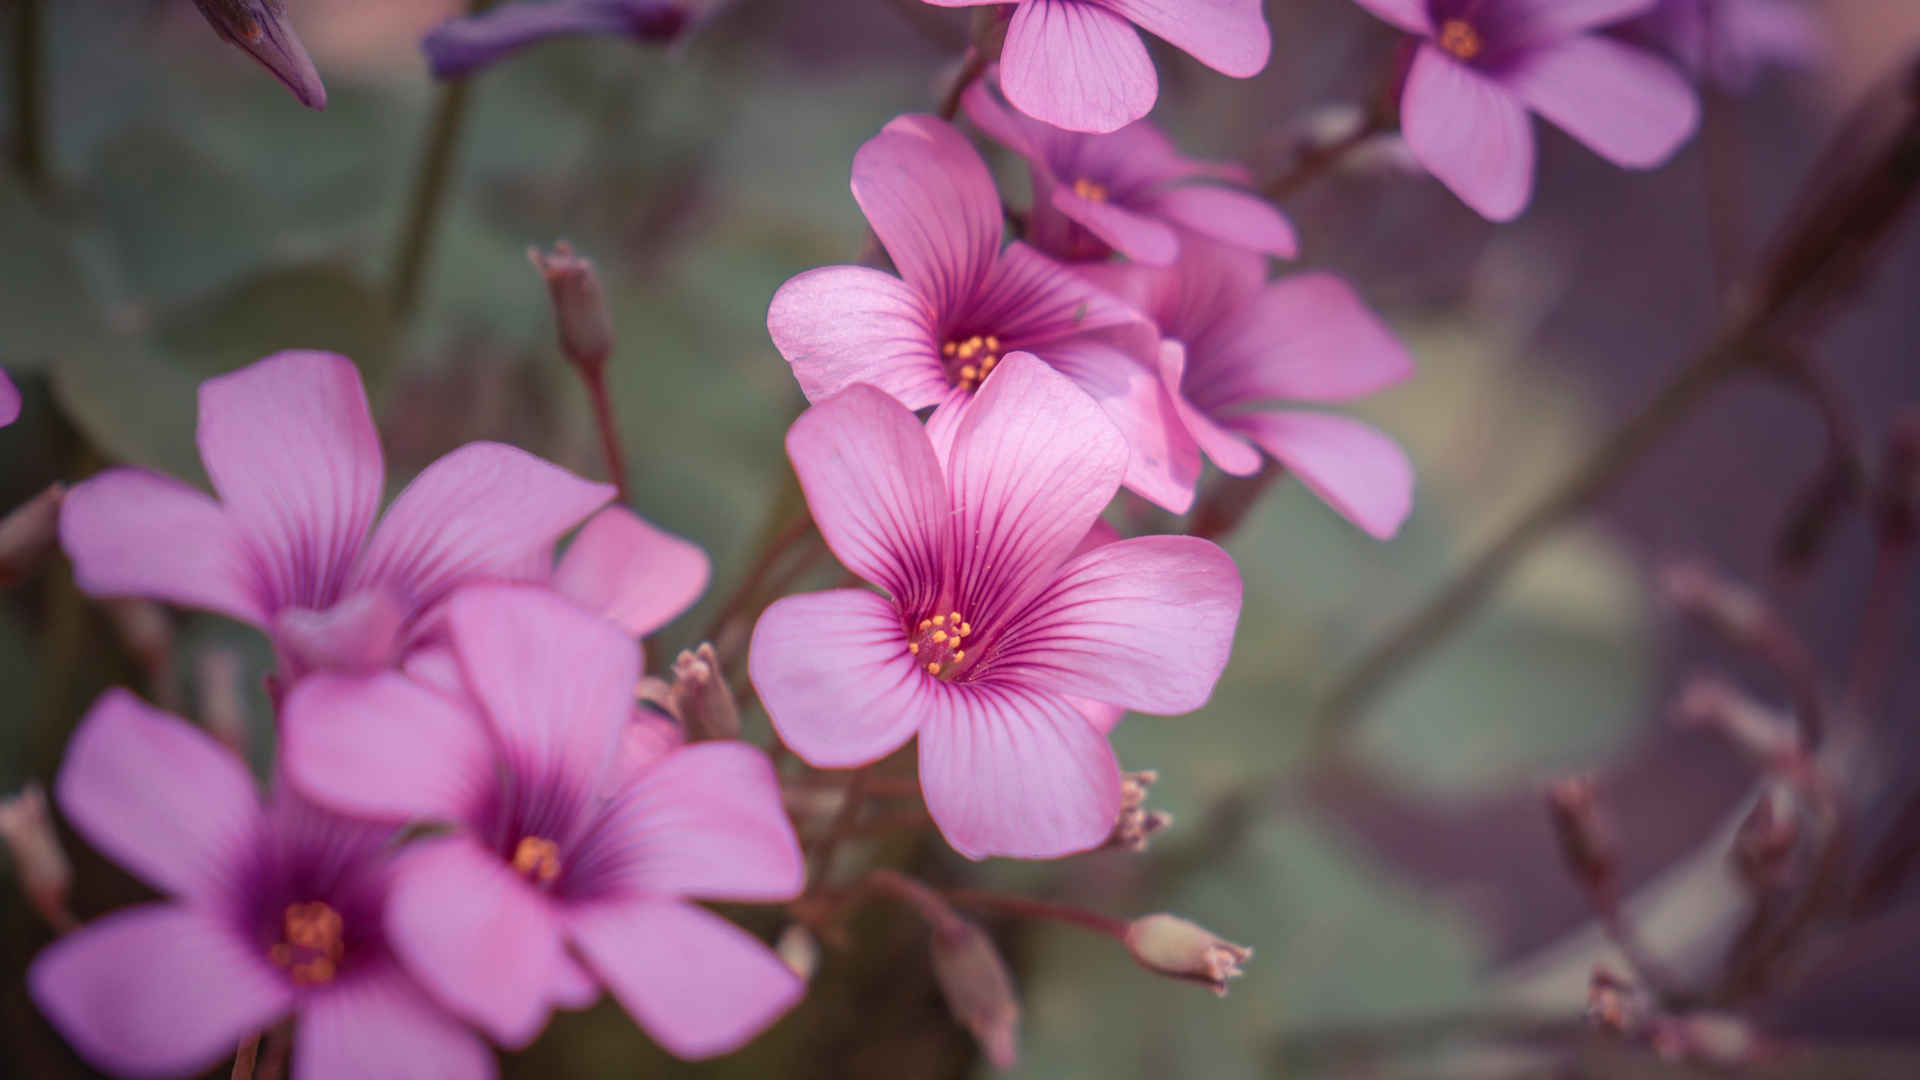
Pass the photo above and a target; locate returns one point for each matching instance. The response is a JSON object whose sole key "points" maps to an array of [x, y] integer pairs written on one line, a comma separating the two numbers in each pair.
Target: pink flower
{"points": [[1729, 41], [9, 400], [1482, 64], [272, 911], [294, 456], [936, 336], [1079, 65], [1130, 191], [989, 630], [576, 826], [1233, 343]]}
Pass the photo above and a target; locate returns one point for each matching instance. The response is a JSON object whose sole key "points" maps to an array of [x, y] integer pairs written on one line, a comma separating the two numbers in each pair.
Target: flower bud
{"points": [[1136, 823], [1586, 839], [463, 45], [579, 307], [978, 988], [260, 29], [45, 875], [28, 533], [1170, 945], [701, 698], [1616, 1006]]}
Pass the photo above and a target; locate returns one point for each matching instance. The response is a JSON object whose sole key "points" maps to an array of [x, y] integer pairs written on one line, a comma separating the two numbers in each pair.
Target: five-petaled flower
{"points": [[989, 627], [1482, 64], [573, 824], [272, 910], [1130, 191], [937, 336]]}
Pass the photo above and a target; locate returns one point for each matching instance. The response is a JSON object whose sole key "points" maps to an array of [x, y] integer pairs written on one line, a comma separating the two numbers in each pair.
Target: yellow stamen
{"points": [[313, 939], [939, 636], [933, 669], [939, 620], [1091, 190], [1459, 38], [537, 858]]}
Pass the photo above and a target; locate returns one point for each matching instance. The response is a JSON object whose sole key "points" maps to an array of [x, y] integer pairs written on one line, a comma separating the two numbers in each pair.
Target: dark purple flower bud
{"points": [[461, 46], [262, 30]]}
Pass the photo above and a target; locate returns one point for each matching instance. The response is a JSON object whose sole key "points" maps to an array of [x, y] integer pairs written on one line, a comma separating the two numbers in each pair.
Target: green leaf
{"points": [[48, 306], [307, 306], [133, 405]]}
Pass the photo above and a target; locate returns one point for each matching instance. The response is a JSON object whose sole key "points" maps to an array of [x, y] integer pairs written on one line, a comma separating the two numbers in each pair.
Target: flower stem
{"points": [[609, 430], [841, 826], [29, 104], [1021, 907], [972, 65], [1319, 160]]}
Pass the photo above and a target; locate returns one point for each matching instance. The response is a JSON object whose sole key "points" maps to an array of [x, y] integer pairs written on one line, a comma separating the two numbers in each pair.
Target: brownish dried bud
{"points": [[1136, 823], [1170, 945], [146, 629], [978, 988], [28, 533], [1586, 838], [579, 307], [1768, 737], [45, 875]]}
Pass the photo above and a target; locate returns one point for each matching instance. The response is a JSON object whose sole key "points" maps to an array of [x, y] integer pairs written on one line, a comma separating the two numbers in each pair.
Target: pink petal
{"points": [[1031, 299], [160, 797], [1304, 338], [944, 422], [159, 989], [1233, 454], [1145, 623], [480, 513], [381, 747], [873, 484], [841, 325], [1008, 770], [1229, 36], [1102, 716], [360, 633], [639, 576], [1240, 218], [1164, 461], [1076, 65], [1359, 471], [706, 820], [698, 984], [932, 202], [1408, 15], [9, 400], [556, 682], [1139, 238], [833, 671], [1470, 133], [477, 936], [1626, 105], [1033, 463], [290, 446], [134, 533], [378, 1025]]}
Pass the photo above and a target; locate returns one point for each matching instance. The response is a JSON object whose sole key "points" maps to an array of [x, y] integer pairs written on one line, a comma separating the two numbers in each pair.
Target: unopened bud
{"points": [[579, 307], [45, 875], [978, 988], [701, 698], [1764, 845], [797, 948], [261, 29], [1586, 838], [223, 703], [1136, 823], [1616, 1006], [28, 533], [1172, 946], [1770, 738], [1897, 507]]}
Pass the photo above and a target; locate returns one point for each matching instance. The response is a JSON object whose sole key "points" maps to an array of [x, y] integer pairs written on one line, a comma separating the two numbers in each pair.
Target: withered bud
{"points": [[1136, 823], [45, 875], [1617, 1006], [579, 307], [797, 948], [1586, 838], [28, 533], [1768, 737], [1170, 945], [1764, 845], [1896, 510], [978, 988], [223, 703], [261, 29]]}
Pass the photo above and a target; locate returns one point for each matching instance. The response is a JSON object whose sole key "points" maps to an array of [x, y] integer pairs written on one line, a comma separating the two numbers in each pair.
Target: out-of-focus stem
{"points": [[29, 103], [1321, 159], [972, 66], [841, 826], [1021, 907], [609, 429]]}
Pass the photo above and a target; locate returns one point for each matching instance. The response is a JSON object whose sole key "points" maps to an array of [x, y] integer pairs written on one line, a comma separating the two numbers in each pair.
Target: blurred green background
{"points": [[198, 219]]}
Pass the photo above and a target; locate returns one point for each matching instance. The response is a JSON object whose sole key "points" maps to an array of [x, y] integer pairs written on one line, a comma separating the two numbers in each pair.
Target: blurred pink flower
{"points": [[937, 336], [1129, 191], [1080, 65], [1729, 41], [9, 400], [1482, 64], [1234, 343], [989, 631], [261, 29], [468, 43], [272, 910], [294, 456], [576, 825]]}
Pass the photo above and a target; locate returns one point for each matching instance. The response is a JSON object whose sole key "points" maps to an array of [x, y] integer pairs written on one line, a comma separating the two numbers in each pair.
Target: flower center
{"points": [[1458, 37], [311, 943], [537, 859], [1091, 190], [937, 643], [974, 357]]}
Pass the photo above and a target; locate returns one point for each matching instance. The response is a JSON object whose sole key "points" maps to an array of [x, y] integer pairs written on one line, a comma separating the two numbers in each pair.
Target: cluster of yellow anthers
{"points": [[976, 355], [1457, 36], [313, 940], [537, 859], [1091, 190], [941, 637]]}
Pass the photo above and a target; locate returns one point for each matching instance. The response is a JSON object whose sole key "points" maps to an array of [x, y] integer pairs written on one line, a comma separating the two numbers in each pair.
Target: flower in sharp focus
{"points": [[572, 830], [261, 29], [1482, 65], [290, 545], [9, 400], [272, 910], [990, 631], [935, 334], [463, 45], [1080, 65], [1729, 41], [1130, 191], [1233, 344]]}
